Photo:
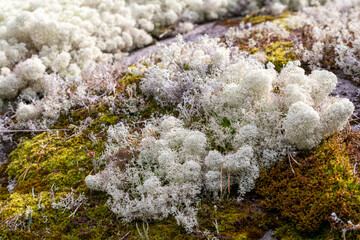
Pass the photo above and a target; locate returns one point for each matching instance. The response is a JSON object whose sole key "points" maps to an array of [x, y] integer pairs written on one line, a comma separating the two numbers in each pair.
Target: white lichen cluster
{"points": [[223, 86], [334, 29], [163, 179], [65, 37], [337, 30], [236, 117], [40, 104]]}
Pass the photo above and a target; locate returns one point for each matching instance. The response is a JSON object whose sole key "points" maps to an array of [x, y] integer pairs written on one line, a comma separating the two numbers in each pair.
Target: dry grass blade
{"points": [[220, 89], [153, 133]]}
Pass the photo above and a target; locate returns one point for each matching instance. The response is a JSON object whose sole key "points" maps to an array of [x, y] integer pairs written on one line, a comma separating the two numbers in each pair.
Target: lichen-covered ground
{"points": [[43, 194]]}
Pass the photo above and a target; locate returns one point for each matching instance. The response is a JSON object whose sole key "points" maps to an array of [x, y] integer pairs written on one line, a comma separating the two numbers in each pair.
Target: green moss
{"points": [[4, 192], [254, 19], [278, 50], [280, 53], [60, 159], [235, 220], [96, 221], [258, 19], [225, 122], [47, 159], [127, 79], [110, 120]]}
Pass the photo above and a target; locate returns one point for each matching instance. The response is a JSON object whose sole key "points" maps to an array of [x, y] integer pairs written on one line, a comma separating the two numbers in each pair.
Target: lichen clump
{"points": [[236, 117]]}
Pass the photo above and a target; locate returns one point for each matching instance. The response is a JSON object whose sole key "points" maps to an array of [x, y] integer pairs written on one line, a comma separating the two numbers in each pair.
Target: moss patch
{"points": [[280, 53], [323, 184]]}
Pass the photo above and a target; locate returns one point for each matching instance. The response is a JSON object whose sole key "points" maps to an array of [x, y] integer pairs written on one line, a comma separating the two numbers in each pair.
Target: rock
{"points": [[268, 235]]}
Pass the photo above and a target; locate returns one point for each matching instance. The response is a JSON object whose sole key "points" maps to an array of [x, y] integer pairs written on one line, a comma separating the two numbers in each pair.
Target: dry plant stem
{"points": [[153, 133], [220, 89], [24, 173], [222, 165], [292, 158], [130, 140], [292, 169]]}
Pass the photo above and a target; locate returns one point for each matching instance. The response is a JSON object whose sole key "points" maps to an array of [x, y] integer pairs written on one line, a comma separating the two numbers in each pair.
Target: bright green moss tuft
{"points": [[49, 158], [280, 53], [110, 120], [258, 19]]}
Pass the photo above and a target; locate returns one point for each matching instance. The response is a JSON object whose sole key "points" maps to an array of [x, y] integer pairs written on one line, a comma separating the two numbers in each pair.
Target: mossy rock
{"points": [[324, 182]]}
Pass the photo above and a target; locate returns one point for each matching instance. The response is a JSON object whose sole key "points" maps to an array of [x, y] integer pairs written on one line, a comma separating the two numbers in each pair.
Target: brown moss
{"points": [[324, 183]]}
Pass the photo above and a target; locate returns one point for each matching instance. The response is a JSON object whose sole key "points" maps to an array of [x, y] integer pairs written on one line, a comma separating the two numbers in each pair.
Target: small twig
{"points": [[130, 140], [153, 133], [290, 164], [220, 89], [164, 33], [2, 209], [35, 130], [25, 172], [292, 158], [4, 221], [125, 235]]}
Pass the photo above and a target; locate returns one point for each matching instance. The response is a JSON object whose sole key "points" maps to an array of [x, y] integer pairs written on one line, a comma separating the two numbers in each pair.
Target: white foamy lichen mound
{"points": [[168, 181], [235, 118]]}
